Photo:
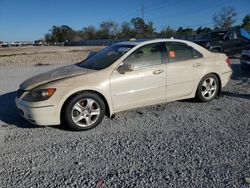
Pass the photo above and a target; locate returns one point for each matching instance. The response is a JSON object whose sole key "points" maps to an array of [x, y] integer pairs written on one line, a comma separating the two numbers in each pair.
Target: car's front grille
{"points": [[19, 93]]}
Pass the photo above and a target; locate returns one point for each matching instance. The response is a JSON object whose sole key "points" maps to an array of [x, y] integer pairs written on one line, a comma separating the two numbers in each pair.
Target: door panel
{"points": [[143, 86], [183, 70], [182, 77]]}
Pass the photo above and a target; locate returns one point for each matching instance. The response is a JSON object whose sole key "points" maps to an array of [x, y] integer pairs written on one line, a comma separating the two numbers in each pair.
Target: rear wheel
{"points": [[84, 111], [208, 88]]}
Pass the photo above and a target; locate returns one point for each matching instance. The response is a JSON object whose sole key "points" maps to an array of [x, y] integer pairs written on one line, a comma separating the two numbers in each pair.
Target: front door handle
{"points": [[158, 71], [196, 65]]}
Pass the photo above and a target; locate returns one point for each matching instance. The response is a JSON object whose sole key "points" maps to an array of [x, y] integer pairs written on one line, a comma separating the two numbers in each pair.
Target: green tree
{"points": [[60, 34], [48, 38], [108, 29], [126, 31], [149, 30], [203, 30], [138, 25], [185, 31], [141, 28], [225, 18], [88, 33], [246, 22], [167, 32]]}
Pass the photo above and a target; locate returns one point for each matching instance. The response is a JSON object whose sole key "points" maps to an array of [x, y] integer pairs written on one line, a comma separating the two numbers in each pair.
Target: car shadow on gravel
{"points": [[9, 114], [235, 95]]}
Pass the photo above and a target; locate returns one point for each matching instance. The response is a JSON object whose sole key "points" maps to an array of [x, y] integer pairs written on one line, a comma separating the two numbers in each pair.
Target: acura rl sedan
{"points": [[120, 77]]}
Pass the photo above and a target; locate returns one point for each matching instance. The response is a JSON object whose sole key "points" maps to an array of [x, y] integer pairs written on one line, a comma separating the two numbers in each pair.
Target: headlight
{"points": [[37, 95]]}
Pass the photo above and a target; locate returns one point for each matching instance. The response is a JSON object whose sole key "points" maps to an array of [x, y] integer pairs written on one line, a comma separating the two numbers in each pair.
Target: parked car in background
{"points": [[245, 59], [229, 42], [39, 43], [120, 77]]}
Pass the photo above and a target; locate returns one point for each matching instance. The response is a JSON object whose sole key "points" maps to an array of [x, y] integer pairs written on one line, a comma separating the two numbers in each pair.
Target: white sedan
{"points": [[123, 76]]}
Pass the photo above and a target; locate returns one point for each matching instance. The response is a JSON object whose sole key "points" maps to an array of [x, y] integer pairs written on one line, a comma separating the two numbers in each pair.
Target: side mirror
{"points": [[125, 68], [92, 53]]}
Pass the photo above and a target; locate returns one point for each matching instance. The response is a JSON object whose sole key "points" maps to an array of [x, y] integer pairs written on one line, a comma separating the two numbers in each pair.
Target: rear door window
{"points": [[178, 51]]}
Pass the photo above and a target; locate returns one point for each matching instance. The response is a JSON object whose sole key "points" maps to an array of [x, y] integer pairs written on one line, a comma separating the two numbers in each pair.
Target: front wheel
{"points": [[208, 88], [84, 111]]}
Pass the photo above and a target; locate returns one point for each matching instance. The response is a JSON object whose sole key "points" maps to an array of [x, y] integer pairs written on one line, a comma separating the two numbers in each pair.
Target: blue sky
{"points": [[30, 19]]}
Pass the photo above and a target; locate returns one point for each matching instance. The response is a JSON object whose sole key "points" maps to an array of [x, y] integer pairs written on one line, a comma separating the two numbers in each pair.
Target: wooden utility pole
{"points": [[142, 9]]}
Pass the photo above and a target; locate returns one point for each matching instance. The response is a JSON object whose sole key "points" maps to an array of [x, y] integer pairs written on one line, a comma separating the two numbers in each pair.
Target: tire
{"points": [[208, 88], [83, 112]]}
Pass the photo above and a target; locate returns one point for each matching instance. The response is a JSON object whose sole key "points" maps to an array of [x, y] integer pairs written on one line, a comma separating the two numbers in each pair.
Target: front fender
{"points": [[104, 93]]}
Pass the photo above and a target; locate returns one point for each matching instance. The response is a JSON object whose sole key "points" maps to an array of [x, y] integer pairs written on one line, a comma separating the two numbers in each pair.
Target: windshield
{"points": [[105, 57]]}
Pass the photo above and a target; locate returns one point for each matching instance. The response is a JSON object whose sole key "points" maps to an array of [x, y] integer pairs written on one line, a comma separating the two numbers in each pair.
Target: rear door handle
{"points": [[158, 71], [196, 65]]}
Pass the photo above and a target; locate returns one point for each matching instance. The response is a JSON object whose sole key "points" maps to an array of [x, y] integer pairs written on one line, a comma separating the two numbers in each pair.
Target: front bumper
{"points": [[40, 115]]}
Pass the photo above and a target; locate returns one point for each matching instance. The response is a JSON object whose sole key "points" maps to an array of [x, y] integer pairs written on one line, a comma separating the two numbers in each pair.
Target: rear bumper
{"points": [[225, 78], [42, 115]]}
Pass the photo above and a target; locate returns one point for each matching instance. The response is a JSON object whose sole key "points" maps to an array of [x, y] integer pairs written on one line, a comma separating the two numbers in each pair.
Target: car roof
{"points": [[149, 41]]}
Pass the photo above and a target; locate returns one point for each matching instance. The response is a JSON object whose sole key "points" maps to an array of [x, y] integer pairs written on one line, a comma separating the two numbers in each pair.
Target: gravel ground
{"points": [[179, 144]]}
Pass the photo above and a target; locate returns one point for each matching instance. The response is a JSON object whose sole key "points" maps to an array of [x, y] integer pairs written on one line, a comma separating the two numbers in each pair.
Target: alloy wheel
{"points": [[208, 88], [85, 112]]}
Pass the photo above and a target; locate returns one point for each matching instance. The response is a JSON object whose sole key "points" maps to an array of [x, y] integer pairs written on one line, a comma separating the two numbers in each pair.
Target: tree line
{"points": [[138, 28]]}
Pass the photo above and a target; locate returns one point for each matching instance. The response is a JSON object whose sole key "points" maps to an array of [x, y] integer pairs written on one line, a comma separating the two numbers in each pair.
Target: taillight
{"points": [[228, 62]]}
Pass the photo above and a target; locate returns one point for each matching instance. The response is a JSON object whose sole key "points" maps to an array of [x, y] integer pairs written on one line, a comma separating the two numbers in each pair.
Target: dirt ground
{"points": [[44, 55]]}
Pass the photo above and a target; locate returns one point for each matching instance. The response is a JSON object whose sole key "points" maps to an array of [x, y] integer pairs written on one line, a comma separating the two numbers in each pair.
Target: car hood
{"points": [[57, 74]]}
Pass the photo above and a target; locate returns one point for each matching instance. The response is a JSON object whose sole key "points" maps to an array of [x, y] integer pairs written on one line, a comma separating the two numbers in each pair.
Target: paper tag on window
{"points": [[171, 53]]}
